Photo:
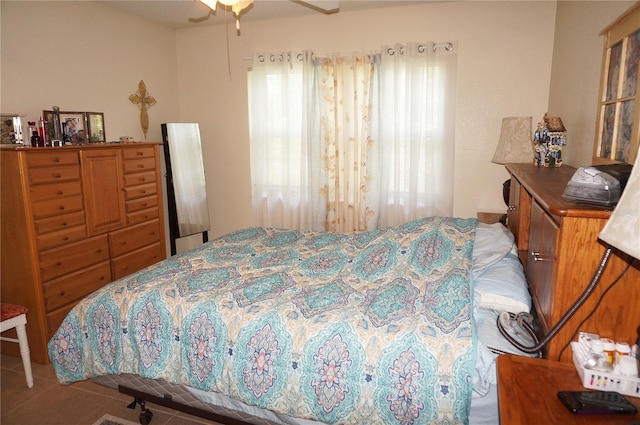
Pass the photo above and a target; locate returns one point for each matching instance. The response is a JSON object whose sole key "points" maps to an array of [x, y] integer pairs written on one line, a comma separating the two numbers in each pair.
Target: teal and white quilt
{"points": [[363, 328]]}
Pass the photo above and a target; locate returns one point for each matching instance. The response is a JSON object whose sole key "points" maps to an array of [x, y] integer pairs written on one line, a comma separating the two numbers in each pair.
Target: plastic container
{"points": [[603, 381], [622, 349], [609, 350]]}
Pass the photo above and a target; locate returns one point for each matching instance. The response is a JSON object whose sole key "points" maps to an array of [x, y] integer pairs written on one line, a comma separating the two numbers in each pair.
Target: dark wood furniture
{"points": [[528, 388], [75, 218], [559, 248]]}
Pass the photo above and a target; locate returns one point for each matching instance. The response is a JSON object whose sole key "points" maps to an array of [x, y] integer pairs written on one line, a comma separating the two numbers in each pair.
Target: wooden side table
{"points": [[489, 218], [528, 394]]}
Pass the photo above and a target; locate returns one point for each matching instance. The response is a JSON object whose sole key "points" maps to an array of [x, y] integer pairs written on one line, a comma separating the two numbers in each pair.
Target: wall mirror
{"points": [[617, 130]]}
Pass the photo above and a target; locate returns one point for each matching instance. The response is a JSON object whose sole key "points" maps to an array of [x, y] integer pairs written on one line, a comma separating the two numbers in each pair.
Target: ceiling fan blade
{"points": [[325, 6], [200, 19]]}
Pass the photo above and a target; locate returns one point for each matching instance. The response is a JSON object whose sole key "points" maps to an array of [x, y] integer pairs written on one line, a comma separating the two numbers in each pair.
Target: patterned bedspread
{"points": [[365, 328]]}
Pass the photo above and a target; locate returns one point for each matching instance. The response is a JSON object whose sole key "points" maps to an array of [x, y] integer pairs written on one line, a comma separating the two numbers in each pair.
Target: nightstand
{"points": [[528, 388]]}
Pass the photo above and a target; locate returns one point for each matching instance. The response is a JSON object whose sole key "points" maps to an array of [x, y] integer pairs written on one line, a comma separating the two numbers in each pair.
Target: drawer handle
{"points": [[139, 153], [62, 294], [140, 165], [64, 223], [61, 207], [59, 192], [536, 256], [66, 238], [144, 192], [56, 160], [57, 175], [144, 205], [142, 179]]}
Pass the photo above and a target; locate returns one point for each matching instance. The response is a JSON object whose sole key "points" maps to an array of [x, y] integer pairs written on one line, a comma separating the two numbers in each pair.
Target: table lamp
{"points": [[514, 145]]}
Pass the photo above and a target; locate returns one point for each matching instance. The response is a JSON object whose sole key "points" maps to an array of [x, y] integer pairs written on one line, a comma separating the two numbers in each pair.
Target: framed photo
{"points": [[77, 128], [74, 127], [95, 127]]}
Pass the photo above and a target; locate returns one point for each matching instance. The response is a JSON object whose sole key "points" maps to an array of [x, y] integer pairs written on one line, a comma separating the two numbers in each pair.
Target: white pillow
{"points": [[498, 276]]}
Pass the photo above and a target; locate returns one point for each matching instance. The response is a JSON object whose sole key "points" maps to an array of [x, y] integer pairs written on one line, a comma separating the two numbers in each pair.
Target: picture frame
{"points": [[74, 127], [95, 127], [79, 127]]}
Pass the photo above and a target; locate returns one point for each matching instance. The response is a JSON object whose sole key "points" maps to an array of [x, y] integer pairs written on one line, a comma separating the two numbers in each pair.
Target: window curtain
{"points": [[417, 124], [347, 98], [349, 143], [280, 94]]}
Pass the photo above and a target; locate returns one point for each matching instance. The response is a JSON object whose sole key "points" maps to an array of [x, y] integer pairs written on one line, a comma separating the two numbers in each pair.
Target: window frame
{"points": [[619, 31]]}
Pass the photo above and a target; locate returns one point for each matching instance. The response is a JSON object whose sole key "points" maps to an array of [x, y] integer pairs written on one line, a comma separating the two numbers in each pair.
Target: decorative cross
{"points": [[143, 101]]}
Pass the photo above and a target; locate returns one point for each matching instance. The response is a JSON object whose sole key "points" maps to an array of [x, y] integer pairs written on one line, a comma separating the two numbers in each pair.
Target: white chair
{"points": [[15, 316]]}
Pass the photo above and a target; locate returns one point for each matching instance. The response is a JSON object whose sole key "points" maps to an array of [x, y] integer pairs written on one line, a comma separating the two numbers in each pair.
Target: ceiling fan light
{"points": [[239, 5], [210, 3]]}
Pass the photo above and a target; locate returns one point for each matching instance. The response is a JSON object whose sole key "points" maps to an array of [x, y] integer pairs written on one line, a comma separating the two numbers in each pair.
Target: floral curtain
{"points": [[346, 93]]}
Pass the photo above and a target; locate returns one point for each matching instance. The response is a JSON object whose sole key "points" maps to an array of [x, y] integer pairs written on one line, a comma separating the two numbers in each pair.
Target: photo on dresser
{"points": [[95, 127]]}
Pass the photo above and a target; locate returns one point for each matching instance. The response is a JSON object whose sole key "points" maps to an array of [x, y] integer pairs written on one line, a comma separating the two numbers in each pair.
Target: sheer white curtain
{"points": [[417, 114], [283, 174]]}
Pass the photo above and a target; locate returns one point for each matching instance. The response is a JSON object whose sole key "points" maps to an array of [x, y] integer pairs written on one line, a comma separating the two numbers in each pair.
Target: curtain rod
{"points": [[447, 45]]}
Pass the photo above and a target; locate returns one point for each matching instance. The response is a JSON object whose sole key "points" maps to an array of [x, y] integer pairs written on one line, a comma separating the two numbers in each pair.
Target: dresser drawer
{"points": [[57, 262], [137, 165], [62, 237], [141, 203], [55, 191], [140, 191], [139, 178], [51, 158], [60, 206], [73, 287], [141, 216], [139, 152], [60, 222], [136, 260], [134, 237], [54, 174]]}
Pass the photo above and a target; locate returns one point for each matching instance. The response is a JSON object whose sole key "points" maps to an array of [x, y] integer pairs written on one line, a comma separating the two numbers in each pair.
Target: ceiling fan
{"points": [[237, 6]]}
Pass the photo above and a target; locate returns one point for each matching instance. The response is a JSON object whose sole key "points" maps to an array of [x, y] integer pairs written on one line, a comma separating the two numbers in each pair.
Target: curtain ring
{"points": [[390, 51], [402, 50], [299, 56], [260, 58], [272, 58], [448, 47], [421, 48]]}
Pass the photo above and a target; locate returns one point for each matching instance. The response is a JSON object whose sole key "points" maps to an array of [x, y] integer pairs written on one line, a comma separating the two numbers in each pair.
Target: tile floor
{"points": [[82, 403]]}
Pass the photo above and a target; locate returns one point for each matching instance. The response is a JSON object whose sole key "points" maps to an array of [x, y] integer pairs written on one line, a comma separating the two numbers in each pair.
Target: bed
{"points": [[389, 326]]}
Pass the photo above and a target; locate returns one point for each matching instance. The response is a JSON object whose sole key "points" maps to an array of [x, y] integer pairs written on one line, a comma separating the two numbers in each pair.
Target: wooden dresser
{"points": [[74, 219], [559, 248]]}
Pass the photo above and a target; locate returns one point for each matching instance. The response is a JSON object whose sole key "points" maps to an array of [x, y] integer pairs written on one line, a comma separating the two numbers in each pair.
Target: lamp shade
{"points": [[622, 230], [515, 141]]}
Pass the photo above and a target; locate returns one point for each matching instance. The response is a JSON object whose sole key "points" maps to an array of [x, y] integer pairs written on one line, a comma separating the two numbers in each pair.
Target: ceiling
{"points": [[176, 13]]}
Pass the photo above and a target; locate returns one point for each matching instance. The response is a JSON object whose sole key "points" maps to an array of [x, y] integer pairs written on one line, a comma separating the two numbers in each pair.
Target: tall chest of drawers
{"points": [[559, 248], [74, 219]]}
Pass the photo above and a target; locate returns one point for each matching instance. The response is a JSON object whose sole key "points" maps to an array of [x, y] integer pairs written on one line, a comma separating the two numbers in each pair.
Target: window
{"points": [[617, 136]]}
